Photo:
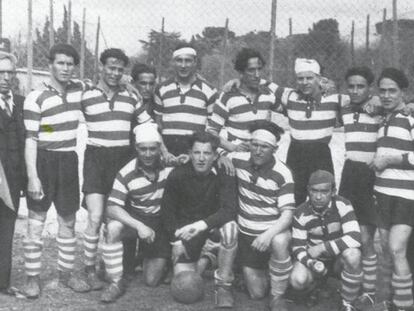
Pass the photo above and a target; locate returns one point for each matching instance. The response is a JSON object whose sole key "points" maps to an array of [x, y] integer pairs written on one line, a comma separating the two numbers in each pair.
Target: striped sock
{"points": [[66, 253], [386, 268], [350, 286], [112, 256], [369, 267], [32, 256], [90, 247], [402, 287], [279, 275]]}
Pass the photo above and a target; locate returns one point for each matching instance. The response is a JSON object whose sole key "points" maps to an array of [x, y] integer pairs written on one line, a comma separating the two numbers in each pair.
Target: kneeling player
{"points": [[133, 210], [197, 198], [325, 230]]}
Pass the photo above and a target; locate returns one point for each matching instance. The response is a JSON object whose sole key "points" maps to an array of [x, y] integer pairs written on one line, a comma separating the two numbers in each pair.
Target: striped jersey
{"points": [[236, 112], [183, 113], [52, 118], [263, 193], [310, 121], [132, 189], [109, 120], [361, 131], [395, 137], [336, 227]]}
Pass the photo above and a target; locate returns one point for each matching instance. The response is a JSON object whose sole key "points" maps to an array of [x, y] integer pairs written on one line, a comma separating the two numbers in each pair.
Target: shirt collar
{"points": [[321, 213], [140, 172], [9, 97]]}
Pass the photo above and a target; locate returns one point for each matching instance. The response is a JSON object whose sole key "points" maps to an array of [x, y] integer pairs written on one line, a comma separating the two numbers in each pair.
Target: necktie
{"points": [[7, 108]]}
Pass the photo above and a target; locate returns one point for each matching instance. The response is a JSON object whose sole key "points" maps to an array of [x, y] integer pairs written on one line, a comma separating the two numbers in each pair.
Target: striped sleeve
{"points": [[286, 196], [408, 158], [141, 112], [119, 192], [32, 115], [212, 96], [219, 117], [351, 234], [282, 95], [299, 239], [158, 106]]}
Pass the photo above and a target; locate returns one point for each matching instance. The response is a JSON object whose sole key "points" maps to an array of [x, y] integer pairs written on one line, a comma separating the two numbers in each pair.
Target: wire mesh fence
{"points": [[376, 33]]}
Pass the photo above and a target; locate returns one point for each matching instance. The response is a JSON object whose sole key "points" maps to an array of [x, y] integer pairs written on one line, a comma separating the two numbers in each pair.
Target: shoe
{"points": [[31, 288], [278, 304], [112, 292], [93, 281], [347, 306], [76, 284], [365, 301], [224, 296]]}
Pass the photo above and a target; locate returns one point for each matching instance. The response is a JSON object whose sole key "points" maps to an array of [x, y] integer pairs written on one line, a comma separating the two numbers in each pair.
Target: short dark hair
{"points": [[243, 56], [362, 71], [115, 53], [205, 137], [63, 48], [142, 68], [268, 126], [396, 75]]}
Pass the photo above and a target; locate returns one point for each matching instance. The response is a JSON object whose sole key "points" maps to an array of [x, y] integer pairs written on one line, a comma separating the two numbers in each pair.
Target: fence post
{"points": [[82, 51], [51, 26], [224, 51], [272, 38], [395, 45], [352, 43], [367, 36], [69, 37], [29, 46], [1, 18], [161, 51], [95, 67], [290, 26]]}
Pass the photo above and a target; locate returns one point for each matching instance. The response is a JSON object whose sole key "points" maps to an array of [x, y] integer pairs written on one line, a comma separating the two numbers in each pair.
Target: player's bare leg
{"points": [[154, 270]]}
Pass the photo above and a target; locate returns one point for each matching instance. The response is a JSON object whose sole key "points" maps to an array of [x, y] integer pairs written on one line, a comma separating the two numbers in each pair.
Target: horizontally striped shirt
{"points": [[184, 113], [263, 193], [310, 121], [132, 189], [109, 120], [336, 227], [52, 118], [236, 112], [396, 137], [361, 131]]}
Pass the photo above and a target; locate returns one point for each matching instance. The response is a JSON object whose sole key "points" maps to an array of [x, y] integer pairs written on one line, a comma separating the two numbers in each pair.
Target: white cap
{"points": [[147, 133], [184, 51], [304, 64], [265, 136]]}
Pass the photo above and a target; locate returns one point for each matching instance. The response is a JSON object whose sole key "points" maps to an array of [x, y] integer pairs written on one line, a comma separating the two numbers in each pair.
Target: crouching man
{"points": [[326, 234], [133, 210], [198, 197]]}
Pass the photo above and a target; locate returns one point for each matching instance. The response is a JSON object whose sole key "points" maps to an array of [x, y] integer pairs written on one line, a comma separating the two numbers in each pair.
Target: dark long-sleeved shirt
{"points": [[189, 197]]}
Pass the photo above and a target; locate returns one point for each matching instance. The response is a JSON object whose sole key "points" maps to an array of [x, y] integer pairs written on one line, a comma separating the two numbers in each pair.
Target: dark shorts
{"points": [[194, 247], [394, 211], [100, 167], [58, 173], [160, 248], [357, 185], [177, 144], [249, 257], [305, 158]]}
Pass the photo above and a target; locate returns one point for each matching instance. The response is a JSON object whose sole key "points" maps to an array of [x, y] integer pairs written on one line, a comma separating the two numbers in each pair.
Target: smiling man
{"points": [[143, 77], [199, 197], [183, 102]]}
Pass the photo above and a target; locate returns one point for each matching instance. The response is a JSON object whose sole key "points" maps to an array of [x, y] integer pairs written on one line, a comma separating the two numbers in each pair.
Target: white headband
{"points": [[265, 136], [184, 51], [147, 133], [304, 64]]}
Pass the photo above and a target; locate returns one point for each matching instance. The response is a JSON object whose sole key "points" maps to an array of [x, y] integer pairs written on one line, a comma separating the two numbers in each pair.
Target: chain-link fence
{"points": [[337, 33]]}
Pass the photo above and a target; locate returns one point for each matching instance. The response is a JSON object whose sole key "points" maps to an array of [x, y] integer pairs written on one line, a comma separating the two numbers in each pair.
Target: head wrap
{"points": [[304, 64], [395, 75], [184, 51], [321, 177], [265, 136], [147, 133]]}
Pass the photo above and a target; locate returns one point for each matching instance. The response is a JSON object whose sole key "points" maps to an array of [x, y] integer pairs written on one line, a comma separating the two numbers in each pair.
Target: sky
{"points": [[125, 22]]}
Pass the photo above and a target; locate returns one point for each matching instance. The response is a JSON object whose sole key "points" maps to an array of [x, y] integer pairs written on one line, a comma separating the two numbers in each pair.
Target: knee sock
{"points": [[402, 288], [369, 267], [32, 256], [66, 253], [279, 275], [90, 247], [112, 256], [386, 268], [350, 286]]}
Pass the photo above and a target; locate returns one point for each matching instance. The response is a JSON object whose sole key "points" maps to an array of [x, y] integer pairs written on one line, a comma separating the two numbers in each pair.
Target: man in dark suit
{"points": [[12, 160]]}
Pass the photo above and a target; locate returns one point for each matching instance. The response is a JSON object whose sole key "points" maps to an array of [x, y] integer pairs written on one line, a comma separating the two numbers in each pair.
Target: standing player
{"points": [[357, 181], [198, 197], [266, 204], [394, 188], [183, 102], [238, 108], [133, 210], [51, 118], [12, 160], [143, 77], [109, 110], [325, 230]]}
